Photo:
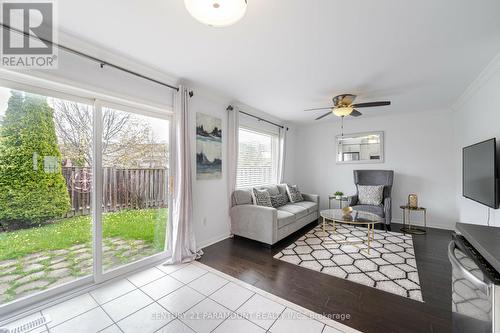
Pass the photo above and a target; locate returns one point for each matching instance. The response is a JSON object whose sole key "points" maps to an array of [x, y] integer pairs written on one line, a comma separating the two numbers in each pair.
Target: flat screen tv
{"points": [[480, 176]]}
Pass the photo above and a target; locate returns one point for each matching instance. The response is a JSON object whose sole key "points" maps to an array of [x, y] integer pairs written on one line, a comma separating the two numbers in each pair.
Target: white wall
{"points": [[418, 147], [477, 118], [210, 198]]}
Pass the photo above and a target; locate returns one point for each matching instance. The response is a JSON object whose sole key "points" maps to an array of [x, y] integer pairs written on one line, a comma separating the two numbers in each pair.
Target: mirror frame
{"points": [[382, 149]]}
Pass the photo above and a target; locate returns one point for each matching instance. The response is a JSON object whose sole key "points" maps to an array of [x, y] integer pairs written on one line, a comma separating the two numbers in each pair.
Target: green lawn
{"points": [[146, 224]]}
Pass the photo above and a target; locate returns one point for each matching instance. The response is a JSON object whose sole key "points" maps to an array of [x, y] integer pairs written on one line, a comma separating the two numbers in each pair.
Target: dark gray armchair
{"points": [[373, 178]]}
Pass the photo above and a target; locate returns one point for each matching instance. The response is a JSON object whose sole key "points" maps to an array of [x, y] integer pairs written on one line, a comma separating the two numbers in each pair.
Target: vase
{"points": [[413, 201]]}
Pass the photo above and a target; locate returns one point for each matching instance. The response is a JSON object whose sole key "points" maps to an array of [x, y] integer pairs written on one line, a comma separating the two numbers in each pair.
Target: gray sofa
{"points": [[375, 177], [267, 224]]}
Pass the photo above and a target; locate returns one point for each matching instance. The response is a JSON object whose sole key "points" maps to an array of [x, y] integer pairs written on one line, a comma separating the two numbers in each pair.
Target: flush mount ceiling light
{"points": [[217, 13]]}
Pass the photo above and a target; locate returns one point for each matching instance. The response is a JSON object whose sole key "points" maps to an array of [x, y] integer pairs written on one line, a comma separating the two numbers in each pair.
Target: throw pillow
{"points": [[294, 194], [261, 198], [279, 200], [370, 195]]}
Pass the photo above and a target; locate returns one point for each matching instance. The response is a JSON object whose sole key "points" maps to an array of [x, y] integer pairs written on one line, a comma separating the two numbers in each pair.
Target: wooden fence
{"points": [[121, 189]]}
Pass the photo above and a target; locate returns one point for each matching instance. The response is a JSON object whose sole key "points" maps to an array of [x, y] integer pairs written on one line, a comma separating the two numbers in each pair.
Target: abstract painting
{"points": [[208, 147]]}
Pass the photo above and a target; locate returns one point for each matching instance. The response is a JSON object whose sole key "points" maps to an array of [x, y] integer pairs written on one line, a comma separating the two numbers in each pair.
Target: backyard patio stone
{"points": [[59, 273], [32, 285], [33, 267], [7, 263], [30, 277], [42, 270], [83, 256], [8, 278], [61, 264], [8, 270], [57, 260], [37, 259]]}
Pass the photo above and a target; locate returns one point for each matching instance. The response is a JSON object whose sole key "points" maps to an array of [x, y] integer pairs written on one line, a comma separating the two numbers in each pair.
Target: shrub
{"points": [[32, 188]]}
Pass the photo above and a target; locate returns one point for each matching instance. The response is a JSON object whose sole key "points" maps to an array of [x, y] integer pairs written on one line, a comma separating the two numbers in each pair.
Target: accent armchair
{"points": [[373, 178]]}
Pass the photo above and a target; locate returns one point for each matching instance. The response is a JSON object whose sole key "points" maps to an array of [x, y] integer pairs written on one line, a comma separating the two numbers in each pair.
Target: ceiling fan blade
{"points": [[323, 116], [356, 113], [371, 104], [316, 109]]}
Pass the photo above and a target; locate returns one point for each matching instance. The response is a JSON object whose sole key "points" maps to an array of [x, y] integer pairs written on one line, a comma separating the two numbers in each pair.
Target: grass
{"points": [[145, 224]]}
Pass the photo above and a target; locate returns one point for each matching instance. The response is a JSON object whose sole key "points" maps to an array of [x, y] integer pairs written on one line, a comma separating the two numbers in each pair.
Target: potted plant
{"points": [[339, 195]]}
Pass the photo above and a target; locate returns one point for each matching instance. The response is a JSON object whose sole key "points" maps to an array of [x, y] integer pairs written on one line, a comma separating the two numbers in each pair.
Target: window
{"points": [[257, 159]]}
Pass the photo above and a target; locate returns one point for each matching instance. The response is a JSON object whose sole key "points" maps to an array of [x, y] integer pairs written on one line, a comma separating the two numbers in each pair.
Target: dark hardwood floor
{"points": [[369, 309]]}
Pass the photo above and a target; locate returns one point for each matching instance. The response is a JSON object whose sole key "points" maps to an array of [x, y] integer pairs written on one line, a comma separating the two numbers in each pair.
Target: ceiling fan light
{"points": [[343, 111], [217, 13]]}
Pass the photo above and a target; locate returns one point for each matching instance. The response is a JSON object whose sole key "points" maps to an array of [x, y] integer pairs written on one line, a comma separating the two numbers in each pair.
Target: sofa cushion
{"points": [[279, 200], [272, 189], [261, 198], [309, 205], [242, 197], [285, 218], [377, 210], [294, 209], [294, 194], [282, 188]]}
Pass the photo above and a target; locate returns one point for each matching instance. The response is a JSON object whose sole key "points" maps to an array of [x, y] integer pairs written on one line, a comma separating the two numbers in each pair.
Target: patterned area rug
{"points": [[390, 265]]}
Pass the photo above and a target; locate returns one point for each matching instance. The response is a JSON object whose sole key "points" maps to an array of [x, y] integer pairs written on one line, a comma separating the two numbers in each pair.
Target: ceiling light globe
{"points": [[217, 13], [342, 111]]}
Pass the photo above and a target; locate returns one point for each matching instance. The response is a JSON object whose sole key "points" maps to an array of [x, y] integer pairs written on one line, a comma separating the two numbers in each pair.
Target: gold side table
{"points": [[407, 227]]}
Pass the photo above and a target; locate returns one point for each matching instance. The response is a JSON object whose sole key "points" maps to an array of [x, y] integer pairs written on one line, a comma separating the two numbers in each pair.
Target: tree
{"points": [[32, 188], [124, 135]]}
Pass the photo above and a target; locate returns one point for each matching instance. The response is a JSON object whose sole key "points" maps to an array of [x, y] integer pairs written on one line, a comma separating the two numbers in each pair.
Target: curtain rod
{"points": [[101, 62], [231, 108]]}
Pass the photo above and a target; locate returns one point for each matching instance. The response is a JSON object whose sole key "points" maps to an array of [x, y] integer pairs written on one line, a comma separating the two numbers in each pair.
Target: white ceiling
{"points": [[287, 55]]}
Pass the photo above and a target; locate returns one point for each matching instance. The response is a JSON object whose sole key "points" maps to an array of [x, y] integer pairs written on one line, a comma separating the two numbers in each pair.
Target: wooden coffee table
{"points": [[354, 218]]}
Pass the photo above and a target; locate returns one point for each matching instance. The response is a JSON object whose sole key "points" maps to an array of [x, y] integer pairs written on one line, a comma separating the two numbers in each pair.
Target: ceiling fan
{"points": [[343, 106]]}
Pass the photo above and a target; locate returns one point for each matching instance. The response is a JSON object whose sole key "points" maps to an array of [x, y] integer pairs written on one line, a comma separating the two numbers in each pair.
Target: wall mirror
{"points": [[365, 147]]}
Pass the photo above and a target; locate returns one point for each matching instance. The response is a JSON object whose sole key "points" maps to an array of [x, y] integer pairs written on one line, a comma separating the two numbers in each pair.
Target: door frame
{"points": [[99, 274], [72, 92]]}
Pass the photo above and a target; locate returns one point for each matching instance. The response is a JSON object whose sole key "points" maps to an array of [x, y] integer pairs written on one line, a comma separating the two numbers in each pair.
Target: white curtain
{"points": [[282, 154], [233, 121], [181, 240]]}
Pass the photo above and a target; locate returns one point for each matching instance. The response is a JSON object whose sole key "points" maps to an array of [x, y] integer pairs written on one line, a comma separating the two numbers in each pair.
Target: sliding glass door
{"points": [[45, 193], [134, 193], [83, 192]]}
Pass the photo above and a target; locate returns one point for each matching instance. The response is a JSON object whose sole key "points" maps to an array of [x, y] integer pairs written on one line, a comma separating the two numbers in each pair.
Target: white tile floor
{"points": [[177, 299]]}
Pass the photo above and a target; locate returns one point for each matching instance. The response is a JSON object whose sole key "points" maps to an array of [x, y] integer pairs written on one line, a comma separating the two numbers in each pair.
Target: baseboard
{"points": [[421, 224], [213, 240]]}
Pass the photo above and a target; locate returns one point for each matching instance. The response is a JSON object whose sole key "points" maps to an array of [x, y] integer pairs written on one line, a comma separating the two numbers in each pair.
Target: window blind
{"points": [[257, 158]]}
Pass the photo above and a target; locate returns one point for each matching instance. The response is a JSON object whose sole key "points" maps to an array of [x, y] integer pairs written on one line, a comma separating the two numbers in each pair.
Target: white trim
{"points": [[486, 74], [28, 302], [38, 90], [258, 130], [74, 89], [421, 224], [97, 192], [213, 240]]}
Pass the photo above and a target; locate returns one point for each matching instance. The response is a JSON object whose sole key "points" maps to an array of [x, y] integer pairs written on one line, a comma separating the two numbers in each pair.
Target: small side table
{"points": [[407, 227], [340, 201]]}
